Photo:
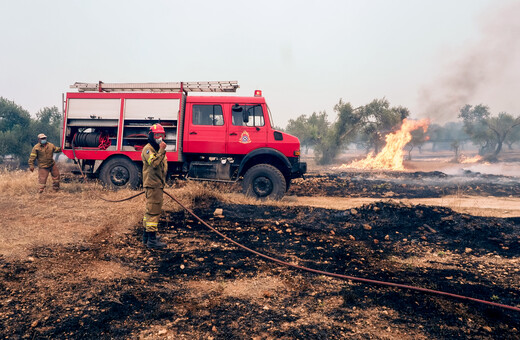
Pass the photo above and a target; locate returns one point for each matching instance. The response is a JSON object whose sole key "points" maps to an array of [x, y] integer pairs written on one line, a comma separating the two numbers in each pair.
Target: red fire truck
{"points": [[213, 138]]}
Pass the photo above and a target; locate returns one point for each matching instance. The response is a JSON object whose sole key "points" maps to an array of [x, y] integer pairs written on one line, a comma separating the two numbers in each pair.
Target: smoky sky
{"points": [[485, 71]]}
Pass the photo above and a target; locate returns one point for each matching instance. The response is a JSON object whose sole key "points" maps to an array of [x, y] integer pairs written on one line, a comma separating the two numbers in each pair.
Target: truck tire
{"points": [[118, 173], [264, 181]]}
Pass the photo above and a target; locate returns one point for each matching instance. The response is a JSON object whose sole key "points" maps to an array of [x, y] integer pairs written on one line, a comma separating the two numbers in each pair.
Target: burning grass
{"points": [[391, 157]]}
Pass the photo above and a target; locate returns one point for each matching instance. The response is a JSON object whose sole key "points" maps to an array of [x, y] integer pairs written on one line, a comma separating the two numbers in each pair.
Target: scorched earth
{"points": [[78, 270]]}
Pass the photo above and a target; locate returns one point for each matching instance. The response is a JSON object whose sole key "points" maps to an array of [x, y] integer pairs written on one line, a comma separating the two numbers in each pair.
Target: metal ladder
{"points": [[190, 86]]}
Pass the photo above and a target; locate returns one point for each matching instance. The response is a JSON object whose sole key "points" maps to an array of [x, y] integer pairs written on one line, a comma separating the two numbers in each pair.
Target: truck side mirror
{"points": [[245, 116]]}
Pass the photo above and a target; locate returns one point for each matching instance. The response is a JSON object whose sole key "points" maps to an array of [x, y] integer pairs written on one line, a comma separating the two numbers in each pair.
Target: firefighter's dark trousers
{"points": [[154, 202], [43, 174]]}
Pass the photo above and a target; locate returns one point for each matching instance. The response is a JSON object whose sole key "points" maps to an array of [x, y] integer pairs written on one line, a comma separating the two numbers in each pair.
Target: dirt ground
{"points": [[72, 266]]}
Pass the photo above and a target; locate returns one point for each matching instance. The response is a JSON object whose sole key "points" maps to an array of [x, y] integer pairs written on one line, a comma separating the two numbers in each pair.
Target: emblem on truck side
{"points": [[244, 138]]}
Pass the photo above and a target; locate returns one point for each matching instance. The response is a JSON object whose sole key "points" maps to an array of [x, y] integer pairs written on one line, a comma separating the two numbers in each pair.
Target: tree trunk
{"points": [[500, 140], [483, 148], [410, 154], [499, 148]]}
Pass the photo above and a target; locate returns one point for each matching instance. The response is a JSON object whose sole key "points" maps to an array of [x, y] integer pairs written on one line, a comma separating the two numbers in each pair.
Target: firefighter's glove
{"points": [[162, 145], [31, 168]]}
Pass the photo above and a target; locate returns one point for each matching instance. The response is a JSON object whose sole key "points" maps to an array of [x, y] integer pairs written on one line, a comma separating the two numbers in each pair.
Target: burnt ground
{"points": [[386, 184], [397, 184], [202, 287]]}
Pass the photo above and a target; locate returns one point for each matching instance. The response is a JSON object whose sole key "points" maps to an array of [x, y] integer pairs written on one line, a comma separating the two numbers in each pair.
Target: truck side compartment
{"points": [[216, 138]]}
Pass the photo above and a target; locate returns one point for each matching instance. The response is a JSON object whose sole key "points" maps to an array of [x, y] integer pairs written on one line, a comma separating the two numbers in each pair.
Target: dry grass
{"points": [[75, 214]]}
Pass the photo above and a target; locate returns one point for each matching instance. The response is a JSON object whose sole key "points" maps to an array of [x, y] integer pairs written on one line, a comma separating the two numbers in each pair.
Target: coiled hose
{"points": [[91, 140]]}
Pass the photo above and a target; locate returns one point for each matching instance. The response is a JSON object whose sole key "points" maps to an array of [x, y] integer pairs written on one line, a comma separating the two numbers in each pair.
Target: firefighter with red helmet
{"points": [[43, 152], [155, 167]]}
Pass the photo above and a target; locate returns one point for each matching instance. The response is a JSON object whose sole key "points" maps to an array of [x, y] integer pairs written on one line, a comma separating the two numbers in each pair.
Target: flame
{"points": [[391, 157], [473, 159]]}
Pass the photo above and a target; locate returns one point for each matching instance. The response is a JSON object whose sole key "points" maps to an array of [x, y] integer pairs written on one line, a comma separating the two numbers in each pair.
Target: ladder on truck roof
{"points": [[190, 86]]}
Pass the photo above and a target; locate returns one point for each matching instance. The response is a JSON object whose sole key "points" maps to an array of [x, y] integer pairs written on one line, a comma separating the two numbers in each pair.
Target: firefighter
{"points": [[43, 152], [155, 167]]}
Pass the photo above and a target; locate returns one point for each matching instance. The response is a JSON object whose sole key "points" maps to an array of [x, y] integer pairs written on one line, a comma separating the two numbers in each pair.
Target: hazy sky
{"points": [[430, 56]]}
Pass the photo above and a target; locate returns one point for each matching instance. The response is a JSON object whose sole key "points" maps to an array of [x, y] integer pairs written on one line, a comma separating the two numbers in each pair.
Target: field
{"points": [[72, 265]]}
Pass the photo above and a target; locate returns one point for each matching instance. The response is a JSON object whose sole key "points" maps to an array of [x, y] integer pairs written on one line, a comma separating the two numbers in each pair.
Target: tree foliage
{"points": [[379, 119], [12, 115], [18, 130], [419, 137], [513, 137], [340, 133], [489, 132], [309, 130], [366, 124], [48, 121], [474, 125], [501, 126], [447, 134]]}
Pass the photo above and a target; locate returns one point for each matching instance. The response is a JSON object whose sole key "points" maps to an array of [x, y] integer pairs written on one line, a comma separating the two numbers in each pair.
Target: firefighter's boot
{"points": [[145, 237], [153, 241]]}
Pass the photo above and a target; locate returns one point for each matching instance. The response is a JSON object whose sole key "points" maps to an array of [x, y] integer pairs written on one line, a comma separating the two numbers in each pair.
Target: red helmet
{"points": [[157, 128]]}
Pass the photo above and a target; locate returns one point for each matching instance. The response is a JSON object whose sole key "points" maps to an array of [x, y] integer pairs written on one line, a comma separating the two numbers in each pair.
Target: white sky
{"points": [[304, 55]]}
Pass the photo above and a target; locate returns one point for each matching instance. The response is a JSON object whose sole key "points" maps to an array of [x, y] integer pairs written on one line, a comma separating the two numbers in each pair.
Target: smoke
{"points": [[499, 169], [486, 71]]}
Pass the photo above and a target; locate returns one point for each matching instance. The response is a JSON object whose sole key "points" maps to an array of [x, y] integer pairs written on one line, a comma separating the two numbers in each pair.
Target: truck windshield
{"points": [[270, 116]]}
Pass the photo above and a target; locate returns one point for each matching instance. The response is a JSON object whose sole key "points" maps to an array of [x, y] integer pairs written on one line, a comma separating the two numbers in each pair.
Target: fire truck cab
{"points": [[212, 138]]}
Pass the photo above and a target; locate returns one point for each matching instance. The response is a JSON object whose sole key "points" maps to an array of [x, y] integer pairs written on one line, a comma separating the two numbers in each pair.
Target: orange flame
{"points": [[391, 157], [473, 159]]}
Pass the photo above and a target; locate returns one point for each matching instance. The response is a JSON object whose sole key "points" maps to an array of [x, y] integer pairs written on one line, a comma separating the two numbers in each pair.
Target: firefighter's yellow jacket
{"points": [[155, 167], [43, 153]]}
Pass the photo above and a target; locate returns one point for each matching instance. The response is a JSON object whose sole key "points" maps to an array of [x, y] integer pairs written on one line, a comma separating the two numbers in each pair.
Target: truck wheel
{"points": [[264, 181], [120, 172]]}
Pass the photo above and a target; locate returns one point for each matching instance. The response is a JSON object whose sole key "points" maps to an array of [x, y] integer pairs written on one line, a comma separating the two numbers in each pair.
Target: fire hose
{"points": [[98, 140], [339, 276]]}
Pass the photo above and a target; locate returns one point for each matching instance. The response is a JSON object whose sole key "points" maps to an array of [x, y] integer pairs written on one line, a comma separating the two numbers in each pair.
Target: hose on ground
{"points": [[340, 276], [122, 200], [320, 272]]}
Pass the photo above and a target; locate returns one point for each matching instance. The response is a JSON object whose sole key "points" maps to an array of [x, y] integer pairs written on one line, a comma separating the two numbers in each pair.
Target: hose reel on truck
{"points": [[100, 140]]}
